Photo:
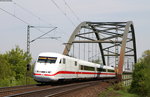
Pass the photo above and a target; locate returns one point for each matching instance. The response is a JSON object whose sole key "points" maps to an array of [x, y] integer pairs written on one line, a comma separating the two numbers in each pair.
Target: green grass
{"points": [[8, 83], [117, 91], [125, 94]]}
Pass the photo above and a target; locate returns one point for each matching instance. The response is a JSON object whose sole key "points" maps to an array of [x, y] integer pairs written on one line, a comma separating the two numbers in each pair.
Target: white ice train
{"points": [[53, 67]]}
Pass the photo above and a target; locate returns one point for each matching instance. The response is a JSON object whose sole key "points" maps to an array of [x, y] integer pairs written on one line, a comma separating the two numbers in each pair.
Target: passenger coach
{"points": [[53, 67]]}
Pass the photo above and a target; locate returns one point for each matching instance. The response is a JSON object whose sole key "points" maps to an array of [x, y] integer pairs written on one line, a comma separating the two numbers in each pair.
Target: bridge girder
{"points": [[109, 36]]}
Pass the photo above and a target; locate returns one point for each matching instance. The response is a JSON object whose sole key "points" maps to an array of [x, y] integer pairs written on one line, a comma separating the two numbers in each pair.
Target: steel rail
{"points": [[20, 89], [17, 89], [10, 88], [48, 92]]}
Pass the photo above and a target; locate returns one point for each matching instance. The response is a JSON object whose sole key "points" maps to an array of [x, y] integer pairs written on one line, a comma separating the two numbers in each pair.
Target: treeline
{"points": [[141, 76], [13, 68]]}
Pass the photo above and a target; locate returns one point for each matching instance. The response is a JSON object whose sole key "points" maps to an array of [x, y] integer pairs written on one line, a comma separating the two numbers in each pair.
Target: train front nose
{"points": [[44, 69], [43, 77]]}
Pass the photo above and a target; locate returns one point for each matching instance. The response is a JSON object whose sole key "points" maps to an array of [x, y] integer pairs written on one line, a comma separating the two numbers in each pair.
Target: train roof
{"points": [[53, 54], [49, 54], [108, 67]]}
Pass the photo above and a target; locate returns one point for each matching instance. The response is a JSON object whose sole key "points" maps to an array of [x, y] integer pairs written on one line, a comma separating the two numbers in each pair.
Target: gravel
{"points": [[92, 91]]}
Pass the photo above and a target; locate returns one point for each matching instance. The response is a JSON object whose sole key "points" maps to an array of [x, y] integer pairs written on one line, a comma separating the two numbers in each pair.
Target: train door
{"points": [[64, 64], [68, 68], [63, 67], [72, 67], [76, 68]]}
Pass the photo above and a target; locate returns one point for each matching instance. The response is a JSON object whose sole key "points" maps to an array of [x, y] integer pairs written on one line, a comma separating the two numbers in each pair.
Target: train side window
{"points": [[75, 63], [60, 61], [101, 69], [81, 67], [64, 61], [89, 68], [109, 70]]}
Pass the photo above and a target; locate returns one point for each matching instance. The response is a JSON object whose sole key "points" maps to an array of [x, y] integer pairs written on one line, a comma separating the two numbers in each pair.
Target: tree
{"points": [[6, 74], [5, 69], [18, 60], [13, 67], [141, 76]]}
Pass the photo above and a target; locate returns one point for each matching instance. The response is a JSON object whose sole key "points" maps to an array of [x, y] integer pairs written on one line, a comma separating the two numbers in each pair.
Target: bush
{"points": [[118, 86], [141, 76], [13, 68]]}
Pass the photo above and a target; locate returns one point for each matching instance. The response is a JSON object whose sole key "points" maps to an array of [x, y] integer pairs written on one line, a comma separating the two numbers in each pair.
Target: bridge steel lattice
{"points": [[115, 41]]}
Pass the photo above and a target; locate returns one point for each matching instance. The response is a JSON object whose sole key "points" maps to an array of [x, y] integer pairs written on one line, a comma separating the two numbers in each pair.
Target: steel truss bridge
{"points": [[109, 43]]}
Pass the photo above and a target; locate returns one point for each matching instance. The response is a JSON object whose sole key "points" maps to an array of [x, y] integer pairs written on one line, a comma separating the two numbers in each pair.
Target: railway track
{"points": [[53, 91], [5, 89], [20, 89]]}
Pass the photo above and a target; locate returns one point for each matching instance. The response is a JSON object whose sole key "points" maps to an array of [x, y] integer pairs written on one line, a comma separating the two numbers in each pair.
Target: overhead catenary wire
{"points": [[72, 11], [26, 22], [31, 13], [63, 12], [43, 35], [15, 16], [20, 19]]}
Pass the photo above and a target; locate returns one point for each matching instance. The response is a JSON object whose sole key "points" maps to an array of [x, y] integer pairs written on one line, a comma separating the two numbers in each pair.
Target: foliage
{"points": [[118, 86], [5, 69], [140, 84], [126, 94], [117, 90], [141, 76], [18, 60], [13, 67]]}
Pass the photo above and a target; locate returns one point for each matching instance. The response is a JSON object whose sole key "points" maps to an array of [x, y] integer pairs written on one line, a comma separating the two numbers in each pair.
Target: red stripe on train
{"points": [[71, 72]]}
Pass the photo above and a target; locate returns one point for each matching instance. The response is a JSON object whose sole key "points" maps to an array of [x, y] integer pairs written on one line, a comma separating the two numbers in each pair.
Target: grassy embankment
{"points": [[117, 90]]}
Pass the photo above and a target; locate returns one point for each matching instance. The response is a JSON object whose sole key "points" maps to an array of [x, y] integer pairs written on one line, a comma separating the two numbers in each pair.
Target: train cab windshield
{"points": [[50, 60]]}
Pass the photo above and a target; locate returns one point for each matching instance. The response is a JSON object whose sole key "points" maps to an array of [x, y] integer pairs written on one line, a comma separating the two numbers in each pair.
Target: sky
{"points": [[46, 13]]}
